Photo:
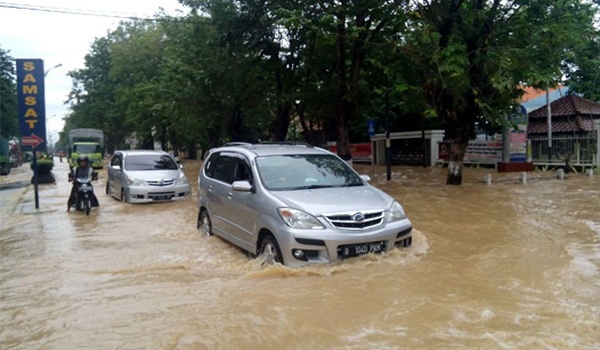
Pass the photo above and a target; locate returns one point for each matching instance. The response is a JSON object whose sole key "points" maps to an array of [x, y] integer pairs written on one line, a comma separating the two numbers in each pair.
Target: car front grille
{"points": [[161, 182], [356, 220]]}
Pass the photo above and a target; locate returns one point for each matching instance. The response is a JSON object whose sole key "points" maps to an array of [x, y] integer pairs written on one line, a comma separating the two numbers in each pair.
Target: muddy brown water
{"points": [[505, 266]]}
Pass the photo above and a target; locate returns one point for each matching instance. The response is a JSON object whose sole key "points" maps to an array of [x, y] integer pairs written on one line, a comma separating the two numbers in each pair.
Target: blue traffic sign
{"points": [[371, 127], [31, 104]]}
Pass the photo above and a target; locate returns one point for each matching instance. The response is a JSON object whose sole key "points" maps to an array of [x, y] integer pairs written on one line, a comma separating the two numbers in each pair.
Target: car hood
{"points": [[154, 174], [334, 200]]}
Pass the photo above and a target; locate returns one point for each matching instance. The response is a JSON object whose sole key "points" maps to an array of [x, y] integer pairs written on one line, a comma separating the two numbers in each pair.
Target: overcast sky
{"points": [[64, 39]]}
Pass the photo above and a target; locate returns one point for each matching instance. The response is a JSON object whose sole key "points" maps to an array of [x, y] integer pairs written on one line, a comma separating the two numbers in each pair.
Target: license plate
{"points": [[161, 198], [347, 251]]}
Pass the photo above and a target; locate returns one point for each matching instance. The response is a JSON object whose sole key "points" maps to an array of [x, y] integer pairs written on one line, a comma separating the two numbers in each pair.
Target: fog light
{"points": [[299, 254]]}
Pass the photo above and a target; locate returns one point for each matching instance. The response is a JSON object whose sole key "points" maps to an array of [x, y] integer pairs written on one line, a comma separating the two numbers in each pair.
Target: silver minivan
{"points": [[142, 176], [296, 205]]}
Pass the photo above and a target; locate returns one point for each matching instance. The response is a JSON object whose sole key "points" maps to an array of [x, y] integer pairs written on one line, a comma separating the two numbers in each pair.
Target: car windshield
{"points": [[139, 162], [296, 172]]}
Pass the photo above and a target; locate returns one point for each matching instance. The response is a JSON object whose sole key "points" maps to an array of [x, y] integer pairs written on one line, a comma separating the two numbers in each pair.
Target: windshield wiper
{"points": [[347, 185], [312, 187]]}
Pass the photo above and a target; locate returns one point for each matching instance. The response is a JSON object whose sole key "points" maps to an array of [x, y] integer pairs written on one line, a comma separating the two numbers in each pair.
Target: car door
{"points": [[218, 184], [229, 209], [243, 213]]}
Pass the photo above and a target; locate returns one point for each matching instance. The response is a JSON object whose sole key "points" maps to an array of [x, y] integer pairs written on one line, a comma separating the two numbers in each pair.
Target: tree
{"points": [[9, 117], [93, 97], [352, 30], [474, 54], [582, 70]]}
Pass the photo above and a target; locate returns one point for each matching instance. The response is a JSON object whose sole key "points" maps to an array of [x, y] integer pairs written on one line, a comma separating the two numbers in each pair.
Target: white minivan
{"points": [[143, 176]]}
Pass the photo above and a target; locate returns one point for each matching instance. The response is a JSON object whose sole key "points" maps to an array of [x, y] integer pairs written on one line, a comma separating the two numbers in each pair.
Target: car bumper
{"points": [[326, 246], [145, 194]]}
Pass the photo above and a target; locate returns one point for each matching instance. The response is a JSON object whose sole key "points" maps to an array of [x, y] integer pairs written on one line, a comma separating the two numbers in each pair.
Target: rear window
{"points": [[139, 162]]}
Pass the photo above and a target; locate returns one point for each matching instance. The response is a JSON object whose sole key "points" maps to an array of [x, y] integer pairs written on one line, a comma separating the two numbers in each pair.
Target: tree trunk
{"points": [[192, 151], [163, 138], [279, 126], [455, 164], [343, 135], [236, 124], [148, 142]]}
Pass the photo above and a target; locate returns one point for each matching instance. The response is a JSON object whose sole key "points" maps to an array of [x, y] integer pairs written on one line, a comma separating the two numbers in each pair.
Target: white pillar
{"points": [[487, 179], [523, 177]]}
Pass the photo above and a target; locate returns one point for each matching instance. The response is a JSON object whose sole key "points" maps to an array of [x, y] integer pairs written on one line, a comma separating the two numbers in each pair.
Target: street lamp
{"points": [[49, 69]]}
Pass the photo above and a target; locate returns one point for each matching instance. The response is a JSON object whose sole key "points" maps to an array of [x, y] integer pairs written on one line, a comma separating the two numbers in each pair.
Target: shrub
{"points": [[44, 166]]}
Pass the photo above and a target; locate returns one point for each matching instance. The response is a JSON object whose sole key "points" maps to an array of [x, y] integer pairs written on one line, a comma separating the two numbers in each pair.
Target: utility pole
{"points": [[388, 142], [549, 114]]}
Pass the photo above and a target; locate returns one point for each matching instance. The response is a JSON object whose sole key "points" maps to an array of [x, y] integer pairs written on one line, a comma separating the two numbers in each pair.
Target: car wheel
{"points": [[123, 196], [203, 223], [107, 188], [269, 251]]}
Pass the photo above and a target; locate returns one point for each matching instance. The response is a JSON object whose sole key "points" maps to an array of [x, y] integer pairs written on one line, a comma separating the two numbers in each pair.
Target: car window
{"points": [[116, 160], [225, 167], [139, 162], [209, 164], [293, 172], [243, 172]]}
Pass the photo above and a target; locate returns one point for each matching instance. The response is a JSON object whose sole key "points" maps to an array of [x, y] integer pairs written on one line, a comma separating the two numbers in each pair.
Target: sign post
{"points": [[32, 111]]}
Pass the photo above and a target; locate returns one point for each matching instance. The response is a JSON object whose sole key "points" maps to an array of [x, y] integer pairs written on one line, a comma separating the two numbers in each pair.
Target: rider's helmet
{"points": [[82, 159]]}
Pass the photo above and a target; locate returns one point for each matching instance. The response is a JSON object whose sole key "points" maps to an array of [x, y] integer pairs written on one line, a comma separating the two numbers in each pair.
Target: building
{"points": [[572, 134]]}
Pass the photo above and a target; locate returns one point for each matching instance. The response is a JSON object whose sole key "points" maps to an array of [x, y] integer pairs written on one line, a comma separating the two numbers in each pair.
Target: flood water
{"points": [[501, 266]]}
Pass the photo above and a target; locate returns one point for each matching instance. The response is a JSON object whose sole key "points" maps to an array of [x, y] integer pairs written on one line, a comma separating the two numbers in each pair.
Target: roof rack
{"points": [[289, 143], [231, 144]]}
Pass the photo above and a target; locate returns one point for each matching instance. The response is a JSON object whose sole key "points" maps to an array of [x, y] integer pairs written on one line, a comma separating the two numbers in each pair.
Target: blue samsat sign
{"points": [[32, 105]]}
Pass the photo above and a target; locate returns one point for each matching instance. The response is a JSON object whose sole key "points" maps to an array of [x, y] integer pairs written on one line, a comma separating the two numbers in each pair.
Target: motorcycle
{"points": [[14, 160], [85, 193]]}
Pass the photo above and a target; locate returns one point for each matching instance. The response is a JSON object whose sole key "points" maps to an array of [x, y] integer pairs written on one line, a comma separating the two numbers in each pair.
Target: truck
{"points": [[87, 142]]}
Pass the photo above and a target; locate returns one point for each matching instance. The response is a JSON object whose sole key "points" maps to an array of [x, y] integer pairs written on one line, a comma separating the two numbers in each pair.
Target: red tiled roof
{"points": [[575, 124], [530, 93], [569, 106]]}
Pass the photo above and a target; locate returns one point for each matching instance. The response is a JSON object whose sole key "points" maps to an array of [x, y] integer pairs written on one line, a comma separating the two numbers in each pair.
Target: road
{"points": [[506, 266], [12, 188]]}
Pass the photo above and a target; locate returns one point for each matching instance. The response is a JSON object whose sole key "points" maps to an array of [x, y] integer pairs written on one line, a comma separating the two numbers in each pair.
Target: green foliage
{"points": [[9, 119], [472, 56], [44, 166], [254, 70], [582, 68]]}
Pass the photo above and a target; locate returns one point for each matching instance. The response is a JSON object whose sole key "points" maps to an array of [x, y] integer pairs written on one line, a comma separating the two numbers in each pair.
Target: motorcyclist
{"points": [[82, 170]]}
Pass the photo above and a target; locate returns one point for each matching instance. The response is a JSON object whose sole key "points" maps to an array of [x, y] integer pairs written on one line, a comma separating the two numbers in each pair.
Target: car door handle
{"points": [[210, 188], [230, 195]]}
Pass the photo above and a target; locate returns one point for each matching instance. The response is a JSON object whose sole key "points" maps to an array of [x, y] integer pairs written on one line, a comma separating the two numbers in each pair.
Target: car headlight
{"points": [[396, 212], [298, 219], [182, 180], [134, 182]]}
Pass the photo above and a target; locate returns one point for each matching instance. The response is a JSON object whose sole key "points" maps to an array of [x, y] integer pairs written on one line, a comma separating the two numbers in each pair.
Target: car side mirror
{"points": [[367, 178], [242, 186], [116, 167]]}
